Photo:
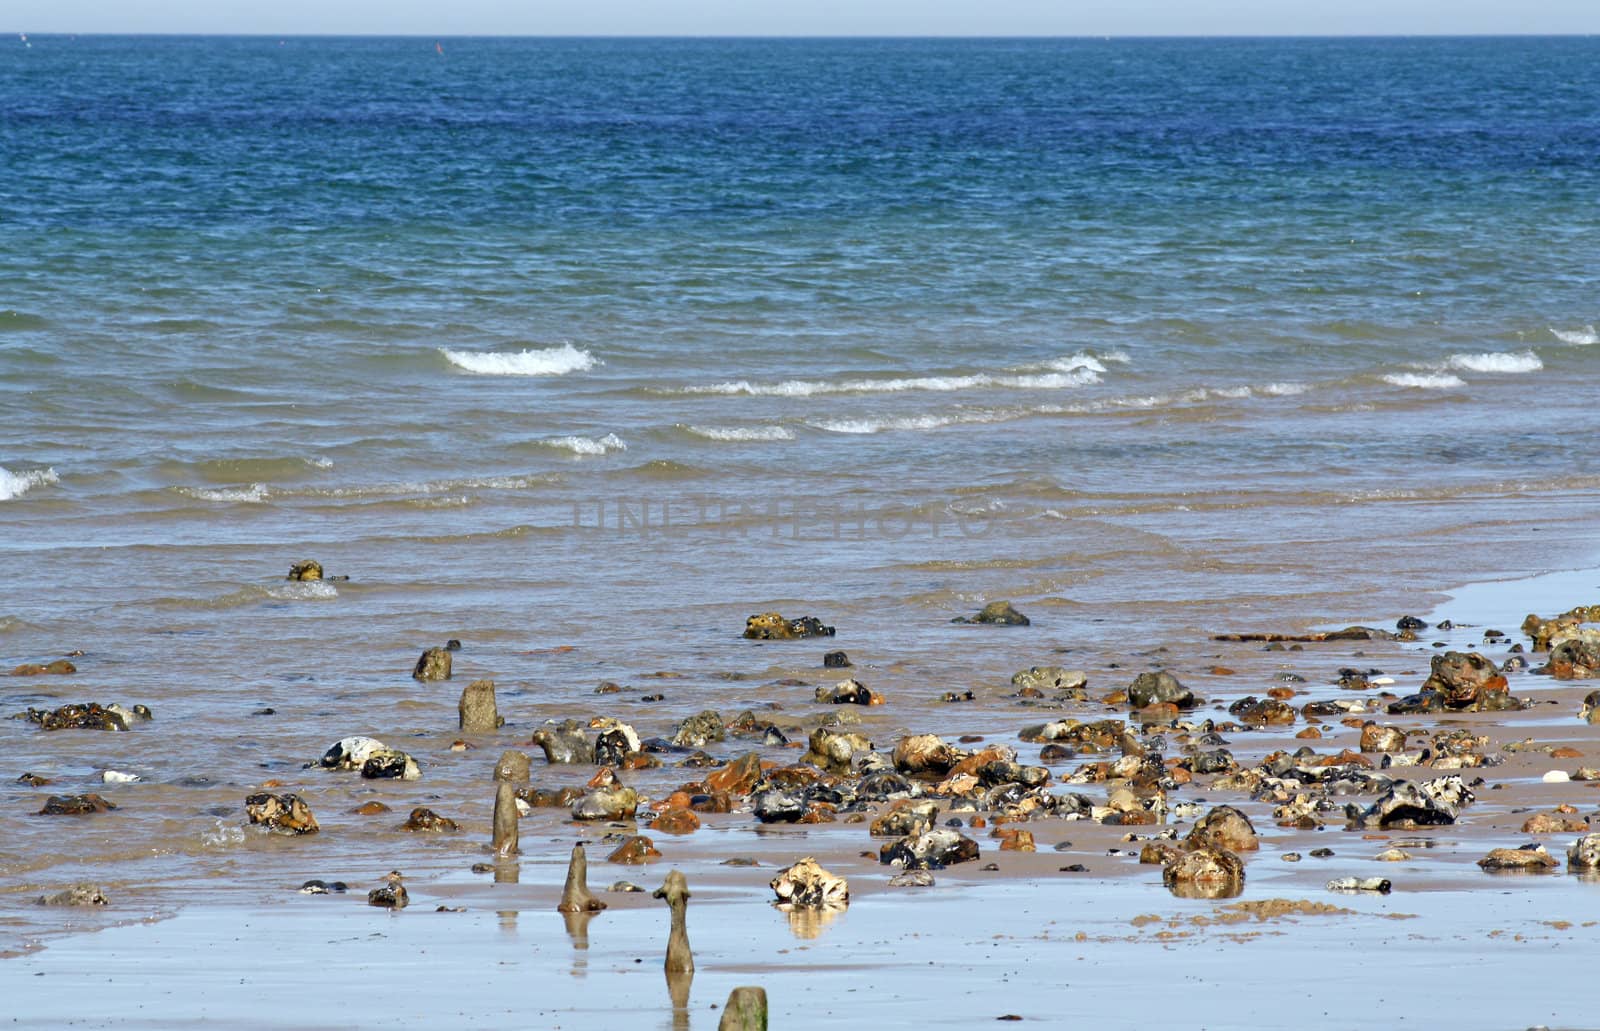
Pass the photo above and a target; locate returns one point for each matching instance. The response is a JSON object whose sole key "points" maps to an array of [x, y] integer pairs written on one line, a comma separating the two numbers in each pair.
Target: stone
{"points": [[55, 667], [514, 767], [392, 895], [1205, 873], [319, 887], [306, 571], [1584, 854], [282, 814], [770, 626], [675, 890], [1527, 859], [614, 802], [848, 692], [1465, 680], [434, 664], [906, 818], [1224, 827], [833, 750], [807, 884], [1050, 678], [390, 764], [996, 613], [636, 850], [1015, 839], [477, 712], [836, 660], [931, 849], [745, 1010], [1159, 687], [912, 879], [564, 743], [351, 753], [575, 896], [77, 895], [1376, 738], [699, 730], [1575, 659], [1553, 823], [779, 805], [79, 716], [676, 820], [1258, 712], [738, 777], [75, 805], [925, 754], [371, 808], [1406, 805], [425, 820], [1381, 885], [505, 842]]}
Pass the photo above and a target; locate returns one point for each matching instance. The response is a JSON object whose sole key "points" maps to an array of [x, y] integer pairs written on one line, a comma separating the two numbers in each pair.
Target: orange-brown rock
{"points": [[1309, 734], [738, 777], [1566, 753], [715, 802], [1379, 738], [1551, 823], [987, 754], [636, 851], [819, 812], [676, 821], [1015, 839], [1281, 693], [372, 808], [797, 776]]}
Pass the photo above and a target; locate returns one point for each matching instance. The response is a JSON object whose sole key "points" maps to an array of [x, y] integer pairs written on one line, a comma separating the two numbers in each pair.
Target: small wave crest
{"points": [[551, 361], [1578, 337], [1062, 373], [1493, 361], [587, 445], [222, 835], [254, 494], [741, 433], [1424, 380], [14, 485], [304, 590]]}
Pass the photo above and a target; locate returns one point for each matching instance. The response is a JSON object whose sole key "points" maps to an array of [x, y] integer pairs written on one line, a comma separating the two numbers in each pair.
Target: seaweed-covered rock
{"points": [[1205, 873], [1159, 687], [86, 716], [996, 613], [807, 884], [282, 814], [699, 730], [770, 626], [434, 664]]}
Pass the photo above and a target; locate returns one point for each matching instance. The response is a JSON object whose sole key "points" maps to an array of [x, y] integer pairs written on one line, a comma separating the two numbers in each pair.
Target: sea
{"points": [[581, 351]]}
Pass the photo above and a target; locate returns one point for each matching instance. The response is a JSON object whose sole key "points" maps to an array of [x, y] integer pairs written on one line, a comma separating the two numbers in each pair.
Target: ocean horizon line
{"points": [[811, 37]]}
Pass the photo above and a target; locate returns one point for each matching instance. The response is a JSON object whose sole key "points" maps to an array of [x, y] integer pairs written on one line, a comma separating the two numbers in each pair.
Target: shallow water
{"points": [[583, 351]]}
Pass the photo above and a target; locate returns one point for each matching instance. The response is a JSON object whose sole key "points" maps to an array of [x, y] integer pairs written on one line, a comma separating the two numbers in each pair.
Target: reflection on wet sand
{"points": [[678, 984], [507, 873], [808, 922], [577, 925]]}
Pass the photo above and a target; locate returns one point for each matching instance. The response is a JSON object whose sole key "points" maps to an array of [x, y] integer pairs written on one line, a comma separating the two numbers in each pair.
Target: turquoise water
{"points": [[608, 344]]}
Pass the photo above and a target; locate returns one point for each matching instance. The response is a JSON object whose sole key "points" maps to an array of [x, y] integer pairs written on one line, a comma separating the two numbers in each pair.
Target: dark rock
{"points": [[848, 692], [434, 664], [392, 895], [390, 764], [424, 820], [1410, 623], [779, 805], [612, 748], [564, 743], [931, 849], [770, 626], [836, 660], [79, 716], [1406, 805], [324, 888], [1258, 712], [282, 814], [996, 613], [33, 780], [477, 712], [1218, 760], [1575, 659], [77, 895], [75, 805], [1464, 679], [1159, 687], [505, 841]]}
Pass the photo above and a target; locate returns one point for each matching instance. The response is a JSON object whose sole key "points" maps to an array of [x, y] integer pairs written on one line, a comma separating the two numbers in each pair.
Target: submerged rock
{"points": [[1527, 859], [1381, 885], [75, 805], [390, 764], [612, 802], [305, 571], [564, 743], [477, 712], [1159, 687], [77, 895], [434, 664], [807, 884], [770, 626], [836, 660], [282, 814], [996, 613], [427, 821], [1205, 873], [56, 667]]}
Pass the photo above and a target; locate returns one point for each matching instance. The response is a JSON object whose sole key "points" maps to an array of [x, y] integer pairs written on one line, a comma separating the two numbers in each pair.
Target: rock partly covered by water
{"points": [[1547, 632], [565, 743], [56, 667], [1159, 687], [1527, 859], [1205, 873], [771, 626], [699, 730], [807, 884], [75, 805], [307, 570], [283, 814], [1050, 678], [86, 716], [848, 692], [996, 613], [426, 821], [433, 664], [1584, 854], [477, 712], [77, 895]]}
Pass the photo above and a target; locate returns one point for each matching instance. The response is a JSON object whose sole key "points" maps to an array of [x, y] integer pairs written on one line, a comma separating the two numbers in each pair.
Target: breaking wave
{"points": [[552, 361], [587, 445], [13, 485], [1424, 380], [1519, 361], [1076, 371], [1580, 337], [741, 433]]}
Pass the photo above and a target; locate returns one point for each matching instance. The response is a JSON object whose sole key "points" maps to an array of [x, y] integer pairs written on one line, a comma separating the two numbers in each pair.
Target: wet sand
{"points": [[1451, 943]]}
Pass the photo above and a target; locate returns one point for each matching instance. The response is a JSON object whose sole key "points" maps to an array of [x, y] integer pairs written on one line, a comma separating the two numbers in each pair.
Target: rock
{"points": [[833, 751], [770, 626], [371, 808], [33, 780], [675, 890], [118, 777], [779, 805], [564, 743], [1205, 873], [1527, 859], [906, 818], [575, 897], [1015, 839], [676, 820], [1464, 680], [612, 747], [738, 777], [912, 879], [848, 692], [699, 730], [1553, 823], [427, 821], [351, 753], [924, 754], [1224, 827], [1050, 678], [1584, 854], [77, 895], [514, 767], [745, 1010], [636, 850], [1218, 760], [390, 764], [506, 816], [996, 613], [1380, 885], [1392, 855], [615, 802], [807, 884], [477, 712], [308, 570], [836, 660], [1556, 777], [56, 667], [1410, 623], [1575, 659], [75, 805], [1262, 712], [316, 887], [392, 895], [434, 664], [1159, 687], [282, 814], [79, 716], [931, 849], [1375, 738], [1406, 805]]}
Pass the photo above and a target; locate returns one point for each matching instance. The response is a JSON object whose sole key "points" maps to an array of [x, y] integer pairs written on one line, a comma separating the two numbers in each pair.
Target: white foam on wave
{"points": [[903, 422], [1496, 361], [1062, 373], [14, 485], [1282, 389], [741, 433], [551, 361], [304, 590], [320, 463], [1579, 337], [587, 445], [1424, 380], [254, 494]]}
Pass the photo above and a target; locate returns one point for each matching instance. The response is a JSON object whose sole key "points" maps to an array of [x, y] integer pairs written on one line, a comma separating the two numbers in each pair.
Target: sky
{"points": [[806, 17]]}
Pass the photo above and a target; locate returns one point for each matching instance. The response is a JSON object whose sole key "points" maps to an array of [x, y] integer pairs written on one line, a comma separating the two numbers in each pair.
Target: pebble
{"points": [[1377, 884], [1556, 777]]}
